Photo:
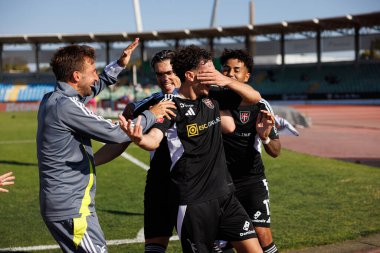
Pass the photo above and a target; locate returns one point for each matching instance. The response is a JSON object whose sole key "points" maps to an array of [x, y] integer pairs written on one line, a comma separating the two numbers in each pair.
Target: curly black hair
{"points": [[239, 54], [189, 58]]}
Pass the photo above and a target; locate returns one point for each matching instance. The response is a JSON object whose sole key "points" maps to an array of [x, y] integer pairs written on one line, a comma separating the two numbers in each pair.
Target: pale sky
{"points": [[19, 17]]}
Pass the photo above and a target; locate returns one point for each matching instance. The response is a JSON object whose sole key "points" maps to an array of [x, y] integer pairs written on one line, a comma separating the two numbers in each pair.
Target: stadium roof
{"points": [[336, 23]]}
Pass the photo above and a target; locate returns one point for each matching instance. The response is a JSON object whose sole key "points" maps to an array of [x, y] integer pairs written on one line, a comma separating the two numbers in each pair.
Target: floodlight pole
{"points": [[134, 81], [37, 58], [213, 24], [214, 11], [139, 25], [139, 28], [250, 39]]}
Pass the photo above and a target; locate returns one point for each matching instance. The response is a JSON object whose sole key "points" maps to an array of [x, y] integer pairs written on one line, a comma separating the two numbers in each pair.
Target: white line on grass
{"points": [[135, 161], [139, 239], [140, 235]]}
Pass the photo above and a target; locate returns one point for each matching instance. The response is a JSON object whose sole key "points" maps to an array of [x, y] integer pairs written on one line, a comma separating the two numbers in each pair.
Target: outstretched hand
{"points": [[133, 130], [6, 179], [126, 55], [264, 124]]}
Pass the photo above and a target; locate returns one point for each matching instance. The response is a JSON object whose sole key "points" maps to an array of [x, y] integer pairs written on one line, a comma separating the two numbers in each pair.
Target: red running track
{"points": [[345, 132]]}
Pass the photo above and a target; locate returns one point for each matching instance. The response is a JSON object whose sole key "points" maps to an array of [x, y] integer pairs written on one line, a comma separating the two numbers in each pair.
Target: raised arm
{"points": [[246, 92]]}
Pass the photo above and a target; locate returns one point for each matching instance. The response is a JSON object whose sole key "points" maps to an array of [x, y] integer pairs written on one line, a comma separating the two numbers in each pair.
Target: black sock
{"points": [[271, 248], [154, 248]]}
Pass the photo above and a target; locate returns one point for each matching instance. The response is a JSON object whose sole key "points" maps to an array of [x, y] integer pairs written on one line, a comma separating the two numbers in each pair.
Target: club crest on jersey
{"points": [[244, 116], [208, 102]]}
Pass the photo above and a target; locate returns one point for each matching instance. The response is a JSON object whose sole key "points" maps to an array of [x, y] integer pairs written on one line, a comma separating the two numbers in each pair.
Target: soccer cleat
{"points": [[284, 127]]}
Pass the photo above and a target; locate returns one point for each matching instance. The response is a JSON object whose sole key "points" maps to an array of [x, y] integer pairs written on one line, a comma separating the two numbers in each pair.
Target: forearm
{"points": [[107, 77], [109, 152], [273, 148], [227, 122], [147, 143], [247, 93]]}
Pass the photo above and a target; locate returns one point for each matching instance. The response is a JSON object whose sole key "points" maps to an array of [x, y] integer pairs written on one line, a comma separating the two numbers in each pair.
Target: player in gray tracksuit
{"points": [[65, 156]]}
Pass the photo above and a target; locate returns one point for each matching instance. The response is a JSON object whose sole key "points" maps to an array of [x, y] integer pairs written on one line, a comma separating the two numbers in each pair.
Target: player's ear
{"points": [[75, 76], [189, 75], [246, 77]]}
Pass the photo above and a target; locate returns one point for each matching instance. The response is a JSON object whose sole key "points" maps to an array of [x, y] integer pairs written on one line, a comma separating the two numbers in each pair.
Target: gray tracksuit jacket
{"points": [[65, 157]]}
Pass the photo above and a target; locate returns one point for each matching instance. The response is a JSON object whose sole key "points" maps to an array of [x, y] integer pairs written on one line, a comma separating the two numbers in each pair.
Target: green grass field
{"points": [[314, 201]]}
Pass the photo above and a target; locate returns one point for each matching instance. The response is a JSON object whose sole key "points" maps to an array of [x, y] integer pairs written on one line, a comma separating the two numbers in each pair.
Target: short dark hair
{"points": [[239, 54], [189, 58], [162, 56], [69, 59]]}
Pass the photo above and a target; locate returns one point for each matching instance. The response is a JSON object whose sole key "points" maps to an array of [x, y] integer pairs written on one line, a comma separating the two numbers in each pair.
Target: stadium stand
{"points": [[23, 92], [329, 79], [273, 82]]}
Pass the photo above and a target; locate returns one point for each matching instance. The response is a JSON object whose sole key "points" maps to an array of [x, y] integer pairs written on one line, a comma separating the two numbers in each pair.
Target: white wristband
{"points": [[266, 141]]}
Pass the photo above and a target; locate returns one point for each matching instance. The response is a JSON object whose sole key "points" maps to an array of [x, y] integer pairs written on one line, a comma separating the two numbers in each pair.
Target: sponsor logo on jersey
{"points": [[257, 215], [183, 105], [246, 229], [190, 112], [194, 129], [248, 233], [246, 226], [208, 102], [244, 116]]}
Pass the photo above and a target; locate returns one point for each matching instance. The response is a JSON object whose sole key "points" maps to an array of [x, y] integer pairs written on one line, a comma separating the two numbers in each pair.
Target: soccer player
{"points": [[207, 207], [254, 127], [159, 205], [6, 179], [64, 152]]}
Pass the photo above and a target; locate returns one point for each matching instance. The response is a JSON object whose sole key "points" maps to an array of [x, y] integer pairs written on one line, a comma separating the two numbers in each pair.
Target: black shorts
{"points": [[200, 224], [160, 205], [254, 197]]}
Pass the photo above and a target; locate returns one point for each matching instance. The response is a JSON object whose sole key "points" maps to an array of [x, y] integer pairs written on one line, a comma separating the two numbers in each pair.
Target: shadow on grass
{"points": [[121, 212], [18, 163]]}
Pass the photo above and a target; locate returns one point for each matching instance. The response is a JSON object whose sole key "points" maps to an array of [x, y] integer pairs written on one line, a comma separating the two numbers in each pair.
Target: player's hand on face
{"points": [[163, 109], [264, 123], [126, 55], [133, 130], [213, 77]]}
